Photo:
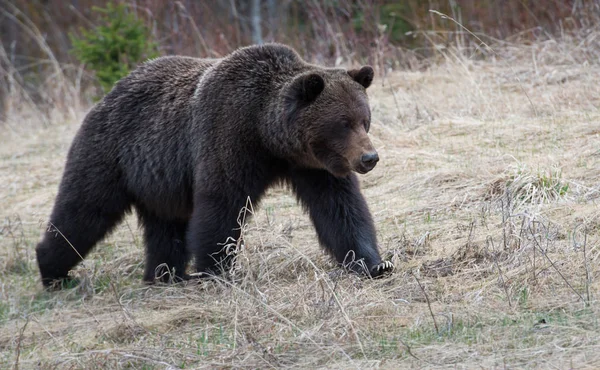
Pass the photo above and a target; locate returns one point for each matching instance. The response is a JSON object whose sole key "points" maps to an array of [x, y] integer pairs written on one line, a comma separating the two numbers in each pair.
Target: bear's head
{"points": [[330, 110]]}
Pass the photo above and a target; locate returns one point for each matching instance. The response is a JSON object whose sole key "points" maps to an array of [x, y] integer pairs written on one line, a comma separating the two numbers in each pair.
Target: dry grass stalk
{"points": [[18, 349], [437, 330]]}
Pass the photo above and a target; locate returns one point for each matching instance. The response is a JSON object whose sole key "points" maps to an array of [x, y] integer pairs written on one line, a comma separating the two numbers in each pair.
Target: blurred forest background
{"points": [[38, 64]]}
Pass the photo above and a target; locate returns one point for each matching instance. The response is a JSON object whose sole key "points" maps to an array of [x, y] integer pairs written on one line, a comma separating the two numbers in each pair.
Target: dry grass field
{"points": [[486, 199]]}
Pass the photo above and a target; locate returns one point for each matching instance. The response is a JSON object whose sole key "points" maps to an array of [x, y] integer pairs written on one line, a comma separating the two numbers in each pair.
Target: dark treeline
{"points": [[322, 29], [34, 34]]}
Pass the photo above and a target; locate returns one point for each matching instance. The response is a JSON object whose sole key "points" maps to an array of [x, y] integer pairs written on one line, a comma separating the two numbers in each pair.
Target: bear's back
{"points": [[143, 124], [155, 94], [166, 82]]}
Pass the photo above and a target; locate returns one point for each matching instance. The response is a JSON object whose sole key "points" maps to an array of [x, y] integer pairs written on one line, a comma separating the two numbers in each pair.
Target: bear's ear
{"points": [[363, 76], [306, 88]]}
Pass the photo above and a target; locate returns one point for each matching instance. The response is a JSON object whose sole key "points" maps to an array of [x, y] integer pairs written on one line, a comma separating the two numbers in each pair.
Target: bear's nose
{"points": [[369, 159]]}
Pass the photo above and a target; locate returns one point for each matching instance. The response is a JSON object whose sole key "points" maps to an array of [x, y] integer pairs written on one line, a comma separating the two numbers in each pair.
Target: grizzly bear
{"points": [[187, 141]]}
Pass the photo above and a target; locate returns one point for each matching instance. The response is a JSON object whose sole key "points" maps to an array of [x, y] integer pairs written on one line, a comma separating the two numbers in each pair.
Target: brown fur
{"points": [[186, 141]]}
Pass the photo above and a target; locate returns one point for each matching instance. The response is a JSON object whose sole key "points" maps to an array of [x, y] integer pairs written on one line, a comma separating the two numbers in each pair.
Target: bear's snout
{"points": [[368, 161]]}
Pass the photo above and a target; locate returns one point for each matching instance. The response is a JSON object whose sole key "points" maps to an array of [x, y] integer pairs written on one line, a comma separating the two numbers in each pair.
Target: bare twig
{"points": [[428, 303], [135, 357], [347, 318], [274, 312], [534, 265], [587, 269], [504, 220], [410, 352], [585, 260], [18, 349], [470, 237], [125, 312], [489, 241], [54, 228], [444, 16], [537, 244]]}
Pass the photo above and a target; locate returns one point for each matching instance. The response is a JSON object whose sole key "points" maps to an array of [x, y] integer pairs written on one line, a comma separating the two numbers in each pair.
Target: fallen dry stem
{"points": [[490, 241], [539, 247], [444, 16], [583, 246], [437, 330], [18, 349]]}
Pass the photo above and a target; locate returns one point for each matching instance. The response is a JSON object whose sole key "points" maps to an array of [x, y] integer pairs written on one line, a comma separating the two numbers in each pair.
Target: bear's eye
{"points": [[347, 124], [367, 124]]}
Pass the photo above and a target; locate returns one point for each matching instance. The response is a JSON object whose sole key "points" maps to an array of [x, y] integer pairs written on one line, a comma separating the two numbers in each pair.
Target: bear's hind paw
{"points": [[54, 285]]}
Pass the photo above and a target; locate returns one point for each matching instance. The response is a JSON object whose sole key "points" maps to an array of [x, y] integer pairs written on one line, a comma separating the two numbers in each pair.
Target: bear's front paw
{"points": [[384, 268]]}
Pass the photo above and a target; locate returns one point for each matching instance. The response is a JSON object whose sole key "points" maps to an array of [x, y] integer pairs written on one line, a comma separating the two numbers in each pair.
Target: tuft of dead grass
{"points": [[486, 200]]}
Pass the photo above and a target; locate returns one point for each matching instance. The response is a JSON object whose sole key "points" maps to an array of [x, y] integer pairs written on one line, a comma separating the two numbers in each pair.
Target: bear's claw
{"points": [[384, 267]]}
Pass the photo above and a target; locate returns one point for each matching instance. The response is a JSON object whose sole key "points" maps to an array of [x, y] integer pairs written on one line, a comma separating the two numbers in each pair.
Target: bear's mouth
{"points": [[332, 161], [364, 168], [339, 167]]}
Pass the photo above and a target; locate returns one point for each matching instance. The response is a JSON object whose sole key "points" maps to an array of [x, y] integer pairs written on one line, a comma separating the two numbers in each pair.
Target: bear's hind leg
{"points": [[214, 226], [166, 254], [79, 220]]}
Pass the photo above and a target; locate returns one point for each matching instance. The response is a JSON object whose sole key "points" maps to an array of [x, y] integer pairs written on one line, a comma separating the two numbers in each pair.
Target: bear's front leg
{"points": [[342, 219], [211, 229]]}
